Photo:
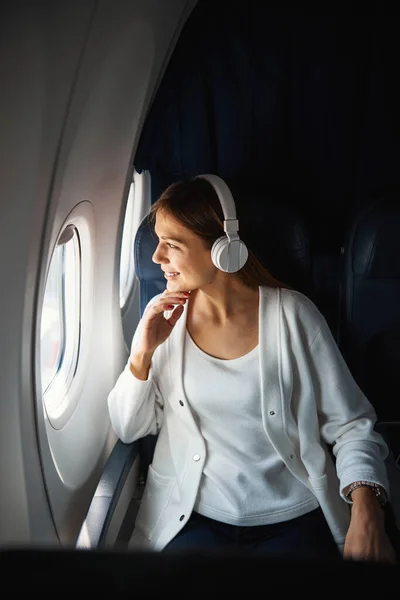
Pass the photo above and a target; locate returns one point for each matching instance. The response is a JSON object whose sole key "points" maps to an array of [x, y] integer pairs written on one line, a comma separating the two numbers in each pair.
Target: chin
{"points": [[178, 286], [173, 286]]}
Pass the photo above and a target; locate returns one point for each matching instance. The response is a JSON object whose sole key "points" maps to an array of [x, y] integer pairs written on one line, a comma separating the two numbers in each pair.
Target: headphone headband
{"points": [[228, 253], [226, 200]]}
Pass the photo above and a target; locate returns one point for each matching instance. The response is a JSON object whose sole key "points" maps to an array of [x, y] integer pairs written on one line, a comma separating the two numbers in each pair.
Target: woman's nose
{"points": [[157, 258]]}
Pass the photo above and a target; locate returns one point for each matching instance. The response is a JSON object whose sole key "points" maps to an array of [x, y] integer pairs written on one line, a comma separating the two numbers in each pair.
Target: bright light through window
{"points": [[51, 334], [126, 269], [60, 325], [137, 206]]}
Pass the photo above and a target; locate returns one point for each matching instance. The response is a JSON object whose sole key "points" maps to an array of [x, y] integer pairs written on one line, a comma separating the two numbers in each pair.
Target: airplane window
{"points": [[137, 206], [60, 324], [126, 269]]}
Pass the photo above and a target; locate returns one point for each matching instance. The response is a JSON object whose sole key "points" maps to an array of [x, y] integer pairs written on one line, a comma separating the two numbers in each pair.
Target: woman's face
{"points": [[182, 255]]}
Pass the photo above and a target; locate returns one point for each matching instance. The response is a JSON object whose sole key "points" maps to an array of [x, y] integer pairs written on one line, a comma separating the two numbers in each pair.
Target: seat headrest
{"points": [[280, 239], [376, 242], [150, 275]]}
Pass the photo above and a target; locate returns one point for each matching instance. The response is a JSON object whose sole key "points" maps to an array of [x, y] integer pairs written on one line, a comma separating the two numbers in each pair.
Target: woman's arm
{"points": [[135, 404], [346, 417], [347, 422], [366, 537]]}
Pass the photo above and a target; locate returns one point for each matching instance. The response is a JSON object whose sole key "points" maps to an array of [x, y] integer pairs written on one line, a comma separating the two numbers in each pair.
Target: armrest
{"points": [[94, 530]]}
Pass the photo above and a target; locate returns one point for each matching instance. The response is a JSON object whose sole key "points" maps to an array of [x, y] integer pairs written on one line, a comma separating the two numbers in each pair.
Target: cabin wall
{"points": [[77, 79]]}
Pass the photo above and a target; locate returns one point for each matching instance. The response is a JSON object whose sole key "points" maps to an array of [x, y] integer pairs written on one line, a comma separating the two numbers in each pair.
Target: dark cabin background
{"points": [[299, 113], [289, 107]]}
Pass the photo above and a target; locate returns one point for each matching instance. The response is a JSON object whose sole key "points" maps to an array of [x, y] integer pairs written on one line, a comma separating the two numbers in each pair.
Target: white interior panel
{"points": [[77, 82]]}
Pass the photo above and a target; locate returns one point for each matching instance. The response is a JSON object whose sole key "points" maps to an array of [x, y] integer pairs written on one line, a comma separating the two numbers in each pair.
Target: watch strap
{"points": [[377, 489]]}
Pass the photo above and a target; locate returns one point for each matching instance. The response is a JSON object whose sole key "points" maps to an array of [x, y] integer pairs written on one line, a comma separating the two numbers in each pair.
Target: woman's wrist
{"points": [[377, 490], [366, 506], [139, 365]]}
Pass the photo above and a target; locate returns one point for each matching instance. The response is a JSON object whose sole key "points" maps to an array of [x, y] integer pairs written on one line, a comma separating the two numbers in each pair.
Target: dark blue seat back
{"points": [[370, 331], [151, 278], [151, 283], [279, 237]]}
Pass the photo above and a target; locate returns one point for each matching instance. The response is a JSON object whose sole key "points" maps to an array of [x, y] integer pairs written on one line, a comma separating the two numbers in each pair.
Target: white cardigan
{"points": [[312, 401]]}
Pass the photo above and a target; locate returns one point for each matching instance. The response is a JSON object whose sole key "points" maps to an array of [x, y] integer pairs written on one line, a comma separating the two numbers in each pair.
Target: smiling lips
{"points": [[170, 275]]}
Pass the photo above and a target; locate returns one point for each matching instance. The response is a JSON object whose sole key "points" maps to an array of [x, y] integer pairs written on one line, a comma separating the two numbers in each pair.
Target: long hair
{"points": [[195, 205]]}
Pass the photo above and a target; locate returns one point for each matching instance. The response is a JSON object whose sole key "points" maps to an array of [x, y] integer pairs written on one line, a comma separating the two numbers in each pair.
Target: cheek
{"points": [[196, 264]]}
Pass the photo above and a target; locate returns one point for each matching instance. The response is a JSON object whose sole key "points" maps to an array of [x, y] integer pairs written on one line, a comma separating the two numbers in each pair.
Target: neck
{"points": [[225, 298]]}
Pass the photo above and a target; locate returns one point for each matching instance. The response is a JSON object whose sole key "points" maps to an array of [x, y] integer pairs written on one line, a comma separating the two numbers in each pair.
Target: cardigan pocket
{"points": [[155, 499]]}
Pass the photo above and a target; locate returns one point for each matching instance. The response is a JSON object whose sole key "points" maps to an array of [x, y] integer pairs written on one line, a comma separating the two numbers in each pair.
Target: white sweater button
{"points": [[196, 457]]}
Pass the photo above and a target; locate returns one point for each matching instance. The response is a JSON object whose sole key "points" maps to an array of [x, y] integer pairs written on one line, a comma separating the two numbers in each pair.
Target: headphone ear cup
{"points": [[218, 247], [229, 256]]}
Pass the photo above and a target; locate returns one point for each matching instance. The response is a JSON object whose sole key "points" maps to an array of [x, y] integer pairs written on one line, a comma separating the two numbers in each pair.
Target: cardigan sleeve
{"points": [[346, 417], [136, 407]]}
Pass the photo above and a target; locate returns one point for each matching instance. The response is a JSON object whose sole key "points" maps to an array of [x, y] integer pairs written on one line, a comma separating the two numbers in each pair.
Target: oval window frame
{"points": [[81, 219]]}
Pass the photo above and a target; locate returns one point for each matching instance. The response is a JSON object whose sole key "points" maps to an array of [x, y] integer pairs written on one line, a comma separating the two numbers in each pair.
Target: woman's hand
{"points": [[154, 328], [366, 537]]}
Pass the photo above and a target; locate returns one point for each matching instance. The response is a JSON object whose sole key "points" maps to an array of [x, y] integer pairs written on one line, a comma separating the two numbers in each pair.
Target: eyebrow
{"points": [[177, 240]]}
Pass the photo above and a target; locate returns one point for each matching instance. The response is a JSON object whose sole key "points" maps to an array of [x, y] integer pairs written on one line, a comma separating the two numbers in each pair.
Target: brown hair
{"points": [[195, 204]]}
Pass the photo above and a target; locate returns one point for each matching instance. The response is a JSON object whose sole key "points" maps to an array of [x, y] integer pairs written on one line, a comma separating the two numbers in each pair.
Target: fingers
{"points": [[175, 315], [171, 299], [170, 295], [168, 301]]}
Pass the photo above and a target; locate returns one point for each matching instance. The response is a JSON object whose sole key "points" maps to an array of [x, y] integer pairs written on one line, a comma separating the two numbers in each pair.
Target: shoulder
{"points": [[299, 304], [299, 310]]}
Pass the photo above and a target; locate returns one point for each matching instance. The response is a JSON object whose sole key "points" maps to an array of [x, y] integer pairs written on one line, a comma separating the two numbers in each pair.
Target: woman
{"points": [[244, 383]]}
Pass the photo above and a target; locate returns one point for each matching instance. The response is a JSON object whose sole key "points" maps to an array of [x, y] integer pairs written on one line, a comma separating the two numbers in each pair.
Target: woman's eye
{"points": [[171, 245]]}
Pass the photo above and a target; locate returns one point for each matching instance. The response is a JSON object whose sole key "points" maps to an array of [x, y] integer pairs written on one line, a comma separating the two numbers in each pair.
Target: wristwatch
{"points": [[377, 489]]}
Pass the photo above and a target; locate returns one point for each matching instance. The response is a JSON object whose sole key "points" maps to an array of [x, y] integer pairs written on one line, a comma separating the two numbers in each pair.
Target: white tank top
{"points": [[244, 481]]}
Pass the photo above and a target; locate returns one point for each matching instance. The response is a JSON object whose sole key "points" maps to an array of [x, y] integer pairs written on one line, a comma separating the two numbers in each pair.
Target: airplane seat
{"points": [[151, 278], [152, 282], [293, 246], [277, 234], [370, 324], [280, 239]]}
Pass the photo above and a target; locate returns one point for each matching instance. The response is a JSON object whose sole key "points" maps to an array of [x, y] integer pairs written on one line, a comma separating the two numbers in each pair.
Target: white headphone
{"points": [[228, 252]]}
